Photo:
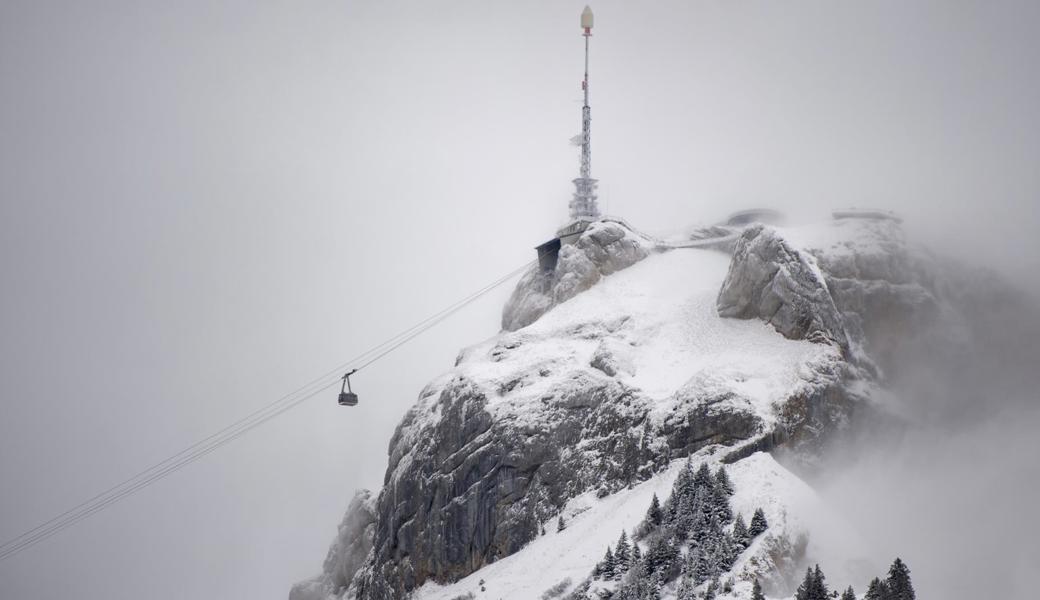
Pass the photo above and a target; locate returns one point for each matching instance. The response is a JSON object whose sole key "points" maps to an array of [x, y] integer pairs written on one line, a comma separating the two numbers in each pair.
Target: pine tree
{"points": [[877, 590], [607, 570], [740, 532], [653, 514], [560, 525], [659, 557], [805, 588], [756, 591], [722, 481], [820, 591], [813, 586], [898, 582], [728, 552], [708, 560], [635, 556], [621, 555], [720, 505], [848, 594], [758, 524], [703, 477]]}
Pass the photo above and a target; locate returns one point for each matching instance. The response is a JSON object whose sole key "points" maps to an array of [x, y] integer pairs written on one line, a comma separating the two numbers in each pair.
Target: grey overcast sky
{"points": [[205, 204]]}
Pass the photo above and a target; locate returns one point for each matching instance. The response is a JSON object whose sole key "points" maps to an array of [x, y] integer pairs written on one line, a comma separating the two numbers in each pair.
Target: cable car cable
{"points": [[169, 470], [231, 432], [406, 334]]}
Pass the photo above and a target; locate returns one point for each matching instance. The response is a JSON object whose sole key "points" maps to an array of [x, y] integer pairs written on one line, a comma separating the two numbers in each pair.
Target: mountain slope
{"points": [[634, 353]]}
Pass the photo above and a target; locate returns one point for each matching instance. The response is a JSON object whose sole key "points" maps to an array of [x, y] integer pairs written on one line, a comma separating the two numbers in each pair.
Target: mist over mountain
{"points": [[818, 364], [203, 205]]}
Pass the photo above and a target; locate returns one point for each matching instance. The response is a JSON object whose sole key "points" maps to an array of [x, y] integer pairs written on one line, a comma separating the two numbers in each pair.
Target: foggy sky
{"points": [[203, 205]]}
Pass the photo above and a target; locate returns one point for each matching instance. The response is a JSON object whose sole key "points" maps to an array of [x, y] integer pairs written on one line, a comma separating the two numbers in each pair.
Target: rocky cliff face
{"points": [[604, 248], [348, 552], [624, 359]]}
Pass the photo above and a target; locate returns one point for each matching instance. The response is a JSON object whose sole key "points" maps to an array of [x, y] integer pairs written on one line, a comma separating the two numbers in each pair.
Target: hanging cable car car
{"points": [[347, 397]]}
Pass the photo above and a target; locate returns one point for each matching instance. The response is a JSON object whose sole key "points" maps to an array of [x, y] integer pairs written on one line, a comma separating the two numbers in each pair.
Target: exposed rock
{"points": [[347, 554], [613, 358], [886, 293], [771, 280], [464, 490], [604, 248]]}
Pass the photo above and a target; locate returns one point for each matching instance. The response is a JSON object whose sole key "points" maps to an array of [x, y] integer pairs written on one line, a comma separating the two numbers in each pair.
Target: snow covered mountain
{"points": [[755, 351]]}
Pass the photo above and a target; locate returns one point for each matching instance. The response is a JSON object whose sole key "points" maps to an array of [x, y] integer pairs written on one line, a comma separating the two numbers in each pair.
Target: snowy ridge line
{"points": [[662, 245]]}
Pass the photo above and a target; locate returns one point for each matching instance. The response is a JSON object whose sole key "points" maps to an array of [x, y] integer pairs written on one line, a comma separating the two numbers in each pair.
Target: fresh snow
{"points": [[791, 507], [658, 317]]}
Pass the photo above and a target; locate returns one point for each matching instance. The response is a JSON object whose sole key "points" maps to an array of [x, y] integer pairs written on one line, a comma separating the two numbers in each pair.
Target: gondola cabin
{"points": [[347, 397]]}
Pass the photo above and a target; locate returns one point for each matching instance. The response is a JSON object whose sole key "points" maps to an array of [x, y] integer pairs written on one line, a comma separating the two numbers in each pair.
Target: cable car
{"points": [[347, 397]]}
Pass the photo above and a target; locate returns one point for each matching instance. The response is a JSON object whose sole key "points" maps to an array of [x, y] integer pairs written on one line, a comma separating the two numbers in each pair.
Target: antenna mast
{"points": [[583, 205]]}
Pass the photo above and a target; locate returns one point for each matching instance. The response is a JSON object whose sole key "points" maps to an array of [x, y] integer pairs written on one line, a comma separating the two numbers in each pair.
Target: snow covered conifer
{"points": [[707, 562], [758, 523], [848, 594], [805, 589], [622, 555], [653, 514], [898, 582], [728, 552], [740, 532], [876, 590], [819, 589], [813, 586], [756, 591], [720, 505], [722, 481], [703, 477], [635, 556], [560, 524], [607, 570]]}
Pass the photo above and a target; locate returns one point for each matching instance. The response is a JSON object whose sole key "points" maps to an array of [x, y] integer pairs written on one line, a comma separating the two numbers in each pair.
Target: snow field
{"points": [[659, 316]]}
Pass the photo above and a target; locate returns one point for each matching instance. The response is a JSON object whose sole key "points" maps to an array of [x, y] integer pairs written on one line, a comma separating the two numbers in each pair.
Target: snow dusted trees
{"points": [[813, 587], [758, 524], [606, 566], [622, 554], [896, 587], [653, 514], [876, 590], [617, 561], [740, 532], [637, 554], [693, 533], [898, 583]]}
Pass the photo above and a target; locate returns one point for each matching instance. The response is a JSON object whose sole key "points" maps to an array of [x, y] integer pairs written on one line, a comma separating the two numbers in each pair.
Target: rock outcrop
{"points": [[771, 280], [348, 552], [604, 248]]}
